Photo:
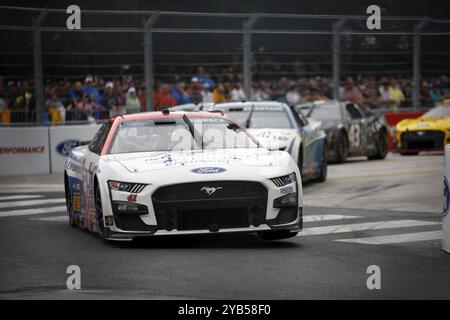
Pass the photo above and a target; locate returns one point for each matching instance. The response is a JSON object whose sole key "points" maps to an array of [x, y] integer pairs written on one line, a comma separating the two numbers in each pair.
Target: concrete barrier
{"points": [[24, 151]]}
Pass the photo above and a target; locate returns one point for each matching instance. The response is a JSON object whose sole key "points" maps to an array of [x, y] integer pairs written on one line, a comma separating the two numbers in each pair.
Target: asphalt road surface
{"points": [[384, 213]]}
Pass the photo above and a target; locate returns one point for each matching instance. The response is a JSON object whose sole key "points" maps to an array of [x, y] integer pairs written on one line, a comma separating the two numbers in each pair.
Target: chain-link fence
{"points": [[52, 75]]}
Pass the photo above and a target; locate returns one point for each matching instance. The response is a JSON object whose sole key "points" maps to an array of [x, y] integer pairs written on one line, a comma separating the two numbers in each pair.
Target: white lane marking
{"points": [[52, 219], [397, 238], [392, 224], [26, 212], [327, 217], [24, 196], [15, 204]]}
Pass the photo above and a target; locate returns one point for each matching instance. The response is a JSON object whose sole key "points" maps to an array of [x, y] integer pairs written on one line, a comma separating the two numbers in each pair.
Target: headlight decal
{"points": [[284, 180], [126, 186]]}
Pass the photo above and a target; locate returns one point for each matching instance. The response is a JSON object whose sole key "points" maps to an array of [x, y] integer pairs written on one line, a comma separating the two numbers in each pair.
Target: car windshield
{"points": [[440, 111], [181, 133], [262, 118], [326, 111]]}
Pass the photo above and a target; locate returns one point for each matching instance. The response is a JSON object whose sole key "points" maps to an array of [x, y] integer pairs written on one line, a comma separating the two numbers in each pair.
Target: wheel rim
{"points": [[99, 211]]}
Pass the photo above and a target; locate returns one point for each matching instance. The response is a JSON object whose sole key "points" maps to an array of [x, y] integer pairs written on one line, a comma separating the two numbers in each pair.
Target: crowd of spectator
{"points": [[96, 98]]}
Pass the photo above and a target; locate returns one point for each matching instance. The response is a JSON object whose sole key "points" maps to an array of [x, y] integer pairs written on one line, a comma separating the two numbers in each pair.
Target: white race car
{"points": [[279, 127], [163, 173]]}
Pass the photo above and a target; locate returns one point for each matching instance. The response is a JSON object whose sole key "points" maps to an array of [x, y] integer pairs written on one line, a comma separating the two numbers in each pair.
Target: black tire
{"points": [[341, 147], [382, 147], [69, 202], [276, 235], [324, 166], [99, 213], [409, 153], [300, 160]]}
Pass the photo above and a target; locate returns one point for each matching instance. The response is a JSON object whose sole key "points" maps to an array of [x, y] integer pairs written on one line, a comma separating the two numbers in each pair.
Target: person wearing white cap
{"points": [[110, 100], [132, 104]]}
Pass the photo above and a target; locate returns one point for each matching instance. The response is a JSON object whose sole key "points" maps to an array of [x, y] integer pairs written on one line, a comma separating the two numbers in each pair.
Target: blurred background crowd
{"points": [[94, 98]]}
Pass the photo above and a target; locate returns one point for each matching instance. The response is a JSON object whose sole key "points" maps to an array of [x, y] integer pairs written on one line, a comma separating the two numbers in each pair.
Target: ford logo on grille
{"points": [[64, 147], [208, 170]]}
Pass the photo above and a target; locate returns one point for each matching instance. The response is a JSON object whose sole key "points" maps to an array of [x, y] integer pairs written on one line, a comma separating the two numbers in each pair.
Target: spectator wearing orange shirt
{"points": [[163, 99]]}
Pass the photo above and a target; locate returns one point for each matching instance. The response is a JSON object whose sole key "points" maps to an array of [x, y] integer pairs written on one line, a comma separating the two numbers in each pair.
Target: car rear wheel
{"points": [[341, 147], [409, 153], [323, 167], [381, 147], [276, 235], [69, 204]]}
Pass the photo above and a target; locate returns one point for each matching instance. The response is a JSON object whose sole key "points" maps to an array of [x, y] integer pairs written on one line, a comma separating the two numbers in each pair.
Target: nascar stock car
{"points": [[352, 130], [429, 132], [279, 127], [165, 173]]}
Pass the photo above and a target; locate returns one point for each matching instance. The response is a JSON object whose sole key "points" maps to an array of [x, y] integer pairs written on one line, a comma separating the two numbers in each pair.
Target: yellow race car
{"points": [[430, 132]]}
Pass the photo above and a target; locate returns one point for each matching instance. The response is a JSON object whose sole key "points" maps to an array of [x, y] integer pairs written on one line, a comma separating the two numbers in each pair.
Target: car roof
{"points": [[243, 104], [193, 106], [170, 114]]}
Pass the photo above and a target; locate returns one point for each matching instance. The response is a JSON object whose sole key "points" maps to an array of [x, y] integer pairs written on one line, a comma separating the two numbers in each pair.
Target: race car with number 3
{"points": [[166, 173], [352, 130]]}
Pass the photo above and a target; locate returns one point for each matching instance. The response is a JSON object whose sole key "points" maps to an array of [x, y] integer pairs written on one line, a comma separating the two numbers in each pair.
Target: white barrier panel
{"points": [[64, 138], [24, 151], [446, 216]]}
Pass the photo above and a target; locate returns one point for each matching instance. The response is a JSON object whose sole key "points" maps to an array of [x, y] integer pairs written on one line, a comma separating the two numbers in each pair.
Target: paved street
{"points": [[385, 213]]}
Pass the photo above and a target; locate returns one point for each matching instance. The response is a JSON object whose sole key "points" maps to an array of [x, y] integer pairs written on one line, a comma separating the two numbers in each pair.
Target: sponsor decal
{"points": [[286, 190], [208, 170], [76, 202], [446, 197], [210, 190], [109, 220], [132, 197], [64, 147], [14, 150]]}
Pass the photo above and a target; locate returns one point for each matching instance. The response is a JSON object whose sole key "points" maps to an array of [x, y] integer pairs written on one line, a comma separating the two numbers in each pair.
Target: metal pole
{"points": [[247, 55], [416, 64], [37, 59], [148, 59], [336, 47]]}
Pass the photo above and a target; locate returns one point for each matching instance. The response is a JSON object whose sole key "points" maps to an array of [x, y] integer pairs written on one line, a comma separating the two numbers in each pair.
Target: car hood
{"points": [[274, 139], [150, 161], [424, 124]]}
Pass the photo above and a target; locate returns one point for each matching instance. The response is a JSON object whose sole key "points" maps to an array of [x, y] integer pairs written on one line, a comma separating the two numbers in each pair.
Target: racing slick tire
{"points": [[69, 202], [341, 147], [276, 235], [324, 166], [382, 148], [99, 219], [406, 153], [300, 160]]}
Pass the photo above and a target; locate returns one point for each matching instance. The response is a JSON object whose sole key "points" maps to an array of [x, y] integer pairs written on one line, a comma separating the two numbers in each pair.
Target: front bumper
{"points": [[121, 235], [238, 206], [421, 140]]}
